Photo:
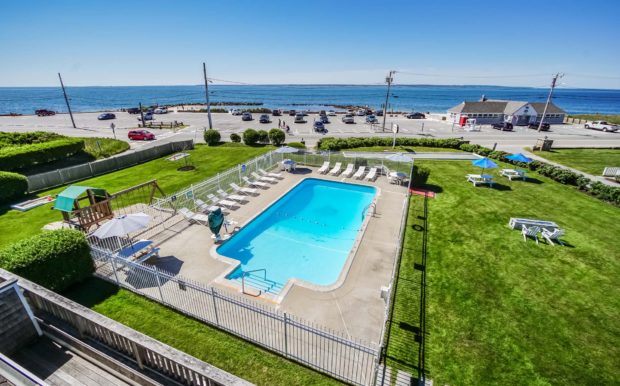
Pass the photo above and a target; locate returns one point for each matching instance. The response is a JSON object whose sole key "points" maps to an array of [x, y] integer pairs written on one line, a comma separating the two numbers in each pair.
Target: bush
{"points": [[27, 138], [297, 145], [54, 259], [212, 137], [17, 157], [263, 136], [250, 137], [13, 186], [277, 136], [420, 176], [234, 137], [335, 144]]}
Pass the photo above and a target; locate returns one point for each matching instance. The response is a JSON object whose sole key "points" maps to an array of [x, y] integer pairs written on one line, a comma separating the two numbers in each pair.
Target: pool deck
{"points": [[355, 308]]}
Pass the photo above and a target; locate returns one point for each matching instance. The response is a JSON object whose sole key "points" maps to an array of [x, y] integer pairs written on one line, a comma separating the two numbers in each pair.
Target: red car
{"points": [[143, 135]]}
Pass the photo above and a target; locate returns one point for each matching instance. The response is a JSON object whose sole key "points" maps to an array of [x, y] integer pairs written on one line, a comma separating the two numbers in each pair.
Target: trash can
{"points": [[543, 144]]}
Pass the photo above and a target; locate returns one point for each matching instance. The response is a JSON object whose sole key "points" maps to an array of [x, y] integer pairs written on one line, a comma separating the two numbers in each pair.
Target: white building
{"points": [[496, 111]]}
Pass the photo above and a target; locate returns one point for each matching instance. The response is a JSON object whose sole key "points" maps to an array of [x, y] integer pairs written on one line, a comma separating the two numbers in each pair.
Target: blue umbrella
{"points": [[484, 163], [518, 157]]}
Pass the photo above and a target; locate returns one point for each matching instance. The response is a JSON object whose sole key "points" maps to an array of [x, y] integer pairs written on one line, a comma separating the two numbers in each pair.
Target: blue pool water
{"points": [[307, 234]]}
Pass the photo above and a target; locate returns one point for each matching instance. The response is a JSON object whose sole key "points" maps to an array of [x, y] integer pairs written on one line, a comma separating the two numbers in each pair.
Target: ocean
{"points": [[24, 100]]}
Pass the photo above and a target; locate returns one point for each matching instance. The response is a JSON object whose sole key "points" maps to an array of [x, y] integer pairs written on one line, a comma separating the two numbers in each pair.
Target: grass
{"points": [[15, 225], [591, 161], [503, 311], [598, 117], [403, 149], [193, 337]]}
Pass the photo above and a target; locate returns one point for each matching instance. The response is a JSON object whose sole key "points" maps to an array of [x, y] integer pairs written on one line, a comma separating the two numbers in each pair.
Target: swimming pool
{"points": [[307, 234]]}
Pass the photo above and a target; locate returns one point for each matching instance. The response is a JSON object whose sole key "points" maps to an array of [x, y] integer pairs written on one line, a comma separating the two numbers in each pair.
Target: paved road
{"points": [[432, 127]]}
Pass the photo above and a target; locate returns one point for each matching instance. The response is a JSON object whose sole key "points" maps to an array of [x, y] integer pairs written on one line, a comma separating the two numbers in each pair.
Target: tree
{"points": [[250, 137], [212, 137], [277, 136]]}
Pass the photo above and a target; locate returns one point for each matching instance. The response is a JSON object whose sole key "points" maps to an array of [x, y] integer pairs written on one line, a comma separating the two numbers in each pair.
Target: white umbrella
{"points": [[122, 226], [286, 149], [399, 157]]}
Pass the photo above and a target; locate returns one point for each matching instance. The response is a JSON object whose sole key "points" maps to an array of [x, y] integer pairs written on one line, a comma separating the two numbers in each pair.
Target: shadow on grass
{"points": [[501, 187], [531, 180], [91, 292], [431, 187]]}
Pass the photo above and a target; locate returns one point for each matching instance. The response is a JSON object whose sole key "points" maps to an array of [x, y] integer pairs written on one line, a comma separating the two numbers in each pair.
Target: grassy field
{"points": [[403, 149], [193, 337], [598, 117], [591, 161], [15, 225], [502, 311]]}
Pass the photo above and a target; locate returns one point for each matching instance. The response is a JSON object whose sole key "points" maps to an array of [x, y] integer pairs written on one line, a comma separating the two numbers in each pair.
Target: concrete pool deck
{"points": [[354, 308]]}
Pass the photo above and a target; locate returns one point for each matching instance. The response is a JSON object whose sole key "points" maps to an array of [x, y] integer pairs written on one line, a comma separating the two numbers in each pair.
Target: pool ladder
{"points": [[271, 284], [368, 208]]}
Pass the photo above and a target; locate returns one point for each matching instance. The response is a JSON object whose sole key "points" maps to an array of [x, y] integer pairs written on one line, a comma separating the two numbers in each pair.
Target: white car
{"points": [[236, 112], [331, 113], [348, 118], [161, 110], [602, 125], [360, 113]]}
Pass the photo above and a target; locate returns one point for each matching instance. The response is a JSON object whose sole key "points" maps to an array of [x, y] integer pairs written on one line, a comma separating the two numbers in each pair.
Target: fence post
{"points": [[159, 284], [239, 167], [285, 335], [217, 319], [111, 258], [138, 354]]}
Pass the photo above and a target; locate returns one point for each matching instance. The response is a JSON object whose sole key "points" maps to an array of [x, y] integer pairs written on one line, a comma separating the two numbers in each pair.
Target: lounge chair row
{"points": [[348, 172]]}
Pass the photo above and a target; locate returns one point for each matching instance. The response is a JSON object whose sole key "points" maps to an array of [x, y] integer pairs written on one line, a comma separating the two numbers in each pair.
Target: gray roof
{"points": [[501, 107], [552, 109], [513, 106]]}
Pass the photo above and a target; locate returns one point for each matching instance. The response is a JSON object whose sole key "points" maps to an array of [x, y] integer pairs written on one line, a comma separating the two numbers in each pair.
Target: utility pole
{"points": [[553, 82], [66, 100], [141, 114], [389, 79], [204, 71]]}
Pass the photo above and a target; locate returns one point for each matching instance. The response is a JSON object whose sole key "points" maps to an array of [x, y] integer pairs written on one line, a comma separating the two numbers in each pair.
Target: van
{"points": [[299, 118]]}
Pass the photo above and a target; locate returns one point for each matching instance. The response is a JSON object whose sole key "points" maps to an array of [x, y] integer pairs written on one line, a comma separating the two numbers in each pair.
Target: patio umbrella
{"points": [[518, 157], [399, 157], [484, 163], [122, 226], [216, 220], [286, 149]]}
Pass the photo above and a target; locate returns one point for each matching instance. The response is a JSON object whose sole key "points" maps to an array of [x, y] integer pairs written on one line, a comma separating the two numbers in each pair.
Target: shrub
{"points": [[250, 137], [335, 144], [297, 145], [277, 136], [13, 186], [234, 137], [420, 176], [263, 136], [22, 156], [212, 137], [54, 259], [27, 138]]}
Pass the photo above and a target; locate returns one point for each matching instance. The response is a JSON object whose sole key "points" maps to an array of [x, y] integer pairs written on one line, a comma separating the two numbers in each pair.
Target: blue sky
{"points": [[340, 41]]}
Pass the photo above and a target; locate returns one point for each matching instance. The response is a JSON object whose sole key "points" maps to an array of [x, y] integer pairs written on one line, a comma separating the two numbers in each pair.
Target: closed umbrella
{"points": [[484, 163], [123, 225], [518, 157], [286, 149], [216, 220]]}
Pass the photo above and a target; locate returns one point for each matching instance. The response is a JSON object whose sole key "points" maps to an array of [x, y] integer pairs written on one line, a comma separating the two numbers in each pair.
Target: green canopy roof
{"points": [[64, 200]]}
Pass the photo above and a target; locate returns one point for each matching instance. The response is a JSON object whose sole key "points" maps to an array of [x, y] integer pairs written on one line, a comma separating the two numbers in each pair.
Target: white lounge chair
{"points": [[204, 207], [512, 173], [530, 232], [217, 201], [234, 197], [269, 174], [264, 178], [325, 168], [372, 175], [336, 170], [255, 183], [194, 217], [550, 236], [348, 171], [244, 190], [360, 172]]}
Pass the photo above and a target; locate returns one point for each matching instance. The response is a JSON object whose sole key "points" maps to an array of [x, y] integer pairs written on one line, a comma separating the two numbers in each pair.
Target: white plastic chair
{"points": [[360, 172], [555, 235], [530, 232], [348, 171], [372, 175], [336, 170], [325, 168]]}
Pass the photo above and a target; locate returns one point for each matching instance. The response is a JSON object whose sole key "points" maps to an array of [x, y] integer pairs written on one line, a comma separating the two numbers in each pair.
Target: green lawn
{"points": [[502, 311], [193, 337], [404, 149], [15, 225], [591, 161]]}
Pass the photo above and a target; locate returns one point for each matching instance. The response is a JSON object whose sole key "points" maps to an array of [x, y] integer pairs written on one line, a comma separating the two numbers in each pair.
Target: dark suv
{"points": [[44, 112], [504, 126], [133, 110], [544, 127]]}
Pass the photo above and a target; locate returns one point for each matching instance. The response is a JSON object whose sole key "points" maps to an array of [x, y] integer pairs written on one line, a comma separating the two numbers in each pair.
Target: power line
{"points": [[473, 76]]}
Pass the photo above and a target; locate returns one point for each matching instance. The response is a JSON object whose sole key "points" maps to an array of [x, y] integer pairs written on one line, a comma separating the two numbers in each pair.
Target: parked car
{"points": [[133, 110], [348, 118], [299, 118], [319, 126], [379, 113], [545, 126], [504, 126], [106, 116], [147, 117], [331, 113], [360, 112], [140, 135], [161, 110], [322, 112], [246, 116], [264, 118], [601, 125], [323, 119], [276, 113], [235, 112], [44, 112], [292, 113], [415, 116], [371, 119]]}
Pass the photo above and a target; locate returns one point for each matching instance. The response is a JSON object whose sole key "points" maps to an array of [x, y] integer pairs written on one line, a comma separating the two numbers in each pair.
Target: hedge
{"points": [[296, 145], [336, 144], [263, 136], [26, 138], [250, 137], [13, 186], [23, 156], [277, 136], [234, 137], [420, 176], [212, 137], [54, 259]]}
